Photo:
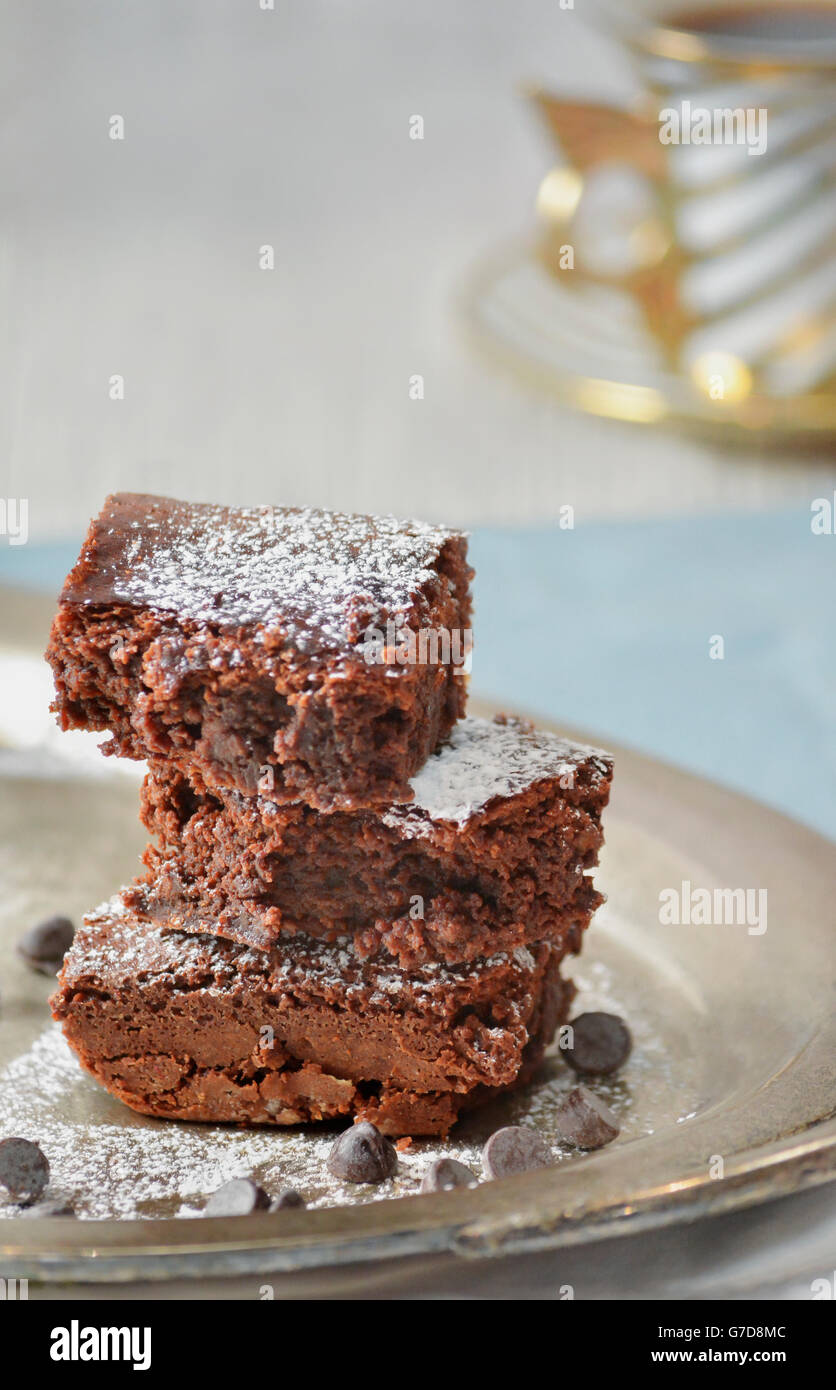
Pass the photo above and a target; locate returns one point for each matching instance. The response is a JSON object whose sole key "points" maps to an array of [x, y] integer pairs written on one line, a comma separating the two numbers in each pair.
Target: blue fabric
{"points": [[607, 627]]}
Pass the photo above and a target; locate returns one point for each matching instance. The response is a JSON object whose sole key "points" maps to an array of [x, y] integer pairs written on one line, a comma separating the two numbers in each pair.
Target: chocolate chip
{"points": [[515, 1149], [289, 1198], [363, 1154], [238, 1197], [444, 1174], [601, 1043], [44, 946], [585, 1121], [24, 1169], [55, 1206]]}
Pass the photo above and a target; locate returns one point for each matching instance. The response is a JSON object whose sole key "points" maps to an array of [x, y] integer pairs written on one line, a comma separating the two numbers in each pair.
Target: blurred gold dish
{"points": [[685, 271]]}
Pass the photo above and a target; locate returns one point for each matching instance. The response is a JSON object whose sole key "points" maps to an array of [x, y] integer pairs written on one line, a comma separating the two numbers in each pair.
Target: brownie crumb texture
{"points": [[357, 900]]}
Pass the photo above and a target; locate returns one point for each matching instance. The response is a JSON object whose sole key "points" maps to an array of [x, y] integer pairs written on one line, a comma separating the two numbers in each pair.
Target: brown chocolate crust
{"points": [[198, 1028], [264, 673], [514, 873]]}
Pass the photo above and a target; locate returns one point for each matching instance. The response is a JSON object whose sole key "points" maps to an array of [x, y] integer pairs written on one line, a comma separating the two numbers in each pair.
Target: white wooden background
{"points": [[245, 127]]}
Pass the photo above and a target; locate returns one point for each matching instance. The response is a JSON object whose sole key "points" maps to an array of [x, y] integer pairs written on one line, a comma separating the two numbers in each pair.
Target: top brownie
{"points": [[309, 655]]}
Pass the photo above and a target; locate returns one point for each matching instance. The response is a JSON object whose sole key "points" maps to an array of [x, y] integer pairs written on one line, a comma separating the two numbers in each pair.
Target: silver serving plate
{"points": [[728, 1099]]}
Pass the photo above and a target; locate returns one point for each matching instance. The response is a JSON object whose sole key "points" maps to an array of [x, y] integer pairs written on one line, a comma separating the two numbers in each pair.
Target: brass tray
{"points": [[729, 1097]]}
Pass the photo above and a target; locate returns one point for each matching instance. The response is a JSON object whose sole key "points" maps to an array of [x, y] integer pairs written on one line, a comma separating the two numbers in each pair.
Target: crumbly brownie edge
{"points": [[168, 1087], [517, 871], [335, 740], [236, 704], [455, 929], [201, 1008]]}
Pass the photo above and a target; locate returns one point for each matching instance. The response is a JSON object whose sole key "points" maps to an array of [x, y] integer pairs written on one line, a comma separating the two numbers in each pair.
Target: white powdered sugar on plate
{"points": [[484, 759], [110, 1162]]}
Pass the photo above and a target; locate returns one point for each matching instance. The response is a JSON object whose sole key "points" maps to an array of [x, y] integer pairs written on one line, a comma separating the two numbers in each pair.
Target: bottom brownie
{"points": [[199, 1028]]}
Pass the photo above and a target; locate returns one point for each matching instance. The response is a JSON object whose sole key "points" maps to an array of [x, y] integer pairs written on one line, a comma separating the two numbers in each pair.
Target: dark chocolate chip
{"points": [[43, 946], [55, 1206], [601, 1043], [238, 1197], [363, 1154], [444, 1174], [24, 1169], [585, 1121], [289, 1198], [515, 1149]]}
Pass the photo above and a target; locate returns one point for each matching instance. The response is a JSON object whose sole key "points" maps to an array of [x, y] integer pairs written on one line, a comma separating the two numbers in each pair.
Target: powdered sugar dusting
{"points": [[485, 759], [313, 577]]}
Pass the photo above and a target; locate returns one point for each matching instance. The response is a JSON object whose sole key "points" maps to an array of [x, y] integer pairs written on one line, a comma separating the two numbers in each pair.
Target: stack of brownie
{"points": [[356, 899]]}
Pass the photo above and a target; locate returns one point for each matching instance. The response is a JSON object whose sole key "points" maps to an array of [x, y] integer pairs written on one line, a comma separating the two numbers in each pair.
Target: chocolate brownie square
{"points": [[315, 654], [494, 852], [200, 1028]]}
